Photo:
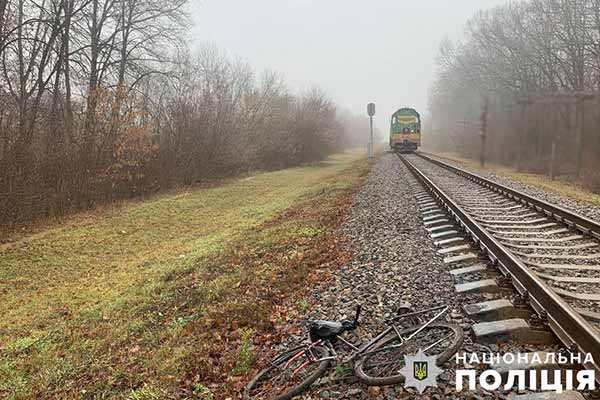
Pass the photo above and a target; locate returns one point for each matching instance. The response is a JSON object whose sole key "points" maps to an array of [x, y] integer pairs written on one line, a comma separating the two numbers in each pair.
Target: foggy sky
{"points": [[357, 51]]}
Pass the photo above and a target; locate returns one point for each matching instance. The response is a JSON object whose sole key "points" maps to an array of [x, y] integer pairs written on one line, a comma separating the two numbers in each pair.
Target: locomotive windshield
{"points": [[406, 121]]}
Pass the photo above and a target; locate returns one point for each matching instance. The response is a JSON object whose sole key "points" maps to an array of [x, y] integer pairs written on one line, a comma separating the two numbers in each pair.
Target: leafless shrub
{"points": [[101, 101]]}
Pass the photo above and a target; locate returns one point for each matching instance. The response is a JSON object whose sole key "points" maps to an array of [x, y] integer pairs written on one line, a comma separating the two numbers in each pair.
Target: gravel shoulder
{"points": [[395, 262]]}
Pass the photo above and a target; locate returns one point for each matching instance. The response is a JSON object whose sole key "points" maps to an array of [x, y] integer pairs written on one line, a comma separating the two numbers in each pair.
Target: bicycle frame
{"points": [[359, 351]]}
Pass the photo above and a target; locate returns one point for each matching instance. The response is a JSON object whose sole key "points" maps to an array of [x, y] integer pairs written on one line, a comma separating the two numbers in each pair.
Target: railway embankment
{"points": [[168, 298]]}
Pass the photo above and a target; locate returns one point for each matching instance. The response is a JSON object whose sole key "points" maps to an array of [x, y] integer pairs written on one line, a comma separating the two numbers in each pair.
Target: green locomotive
{"points": [[405, 130]]}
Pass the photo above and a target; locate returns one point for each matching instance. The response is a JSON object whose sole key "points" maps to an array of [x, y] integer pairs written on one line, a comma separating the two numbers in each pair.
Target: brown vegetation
{"points": [[101, 100], [535, 66]]}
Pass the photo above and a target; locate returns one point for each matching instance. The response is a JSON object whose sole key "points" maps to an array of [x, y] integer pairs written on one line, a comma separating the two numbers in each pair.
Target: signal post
{"points": [[370, 112]]}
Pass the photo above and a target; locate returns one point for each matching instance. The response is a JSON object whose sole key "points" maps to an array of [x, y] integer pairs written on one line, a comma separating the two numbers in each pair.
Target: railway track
{"points": [[550, 255]]}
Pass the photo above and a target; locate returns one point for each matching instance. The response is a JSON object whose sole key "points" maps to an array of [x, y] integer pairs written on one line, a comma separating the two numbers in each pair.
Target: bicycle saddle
{"points": [[328, 330], [320, 329]]}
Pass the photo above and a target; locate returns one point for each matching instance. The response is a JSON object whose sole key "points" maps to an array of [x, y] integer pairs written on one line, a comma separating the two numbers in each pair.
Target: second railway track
{"points": [[549, 254]]}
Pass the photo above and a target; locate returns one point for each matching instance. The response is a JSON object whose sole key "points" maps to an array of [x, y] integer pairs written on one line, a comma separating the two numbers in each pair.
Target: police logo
{"points": [[420, 371]]}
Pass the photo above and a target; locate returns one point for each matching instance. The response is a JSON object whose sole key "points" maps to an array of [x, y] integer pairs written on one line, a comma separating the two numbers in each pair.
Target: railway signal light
{"points": [[370, 112], [371, 109]]}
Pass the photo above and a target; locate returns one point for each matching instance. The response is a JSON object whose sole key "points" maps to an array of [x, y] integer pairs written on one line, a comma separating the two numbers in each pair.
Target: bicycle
{"points": [[376, 363]]}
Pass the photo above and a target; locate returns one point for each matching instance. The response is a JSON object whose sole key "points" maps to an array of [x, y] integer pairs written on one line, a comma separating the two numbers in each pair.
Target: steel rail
{"points": [[569, 218], [576, 333]]}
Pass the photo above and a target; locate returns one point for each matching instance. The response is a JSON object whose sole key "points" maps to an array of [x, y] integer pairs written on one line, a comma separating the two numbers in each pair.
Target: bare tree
{"points": [[538, 54]]}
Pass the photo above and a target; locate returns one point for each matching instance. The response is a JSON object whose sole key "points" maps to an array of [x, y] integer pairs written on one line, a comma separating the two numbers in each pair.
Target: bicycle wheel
{"points": [[289, 374], [381, 365]]}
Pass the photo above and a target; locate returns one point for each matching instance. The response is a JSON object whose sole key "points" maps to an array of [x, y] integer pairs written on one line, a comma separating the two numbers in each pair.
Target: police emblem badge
{"points": [[420, 371]]}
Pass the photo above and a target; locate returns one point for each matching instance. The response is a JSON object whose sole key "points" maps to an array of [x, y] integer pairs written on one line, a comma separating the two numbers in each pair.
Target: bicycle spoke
{"points": [[384, 364], [287, 372], [438, 342], [387, 360]]}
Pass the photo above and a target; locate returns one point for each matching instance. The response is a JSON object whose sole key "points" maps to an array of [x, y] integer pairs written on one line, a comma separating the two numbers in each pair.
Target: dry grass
{"points": [[161, 299], [560, 186]]}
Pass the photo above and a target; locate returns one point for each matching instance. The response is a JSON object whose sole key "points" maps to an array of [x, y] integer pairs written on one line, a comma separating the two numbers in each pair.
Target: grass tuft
{"points": [[243, 364]]}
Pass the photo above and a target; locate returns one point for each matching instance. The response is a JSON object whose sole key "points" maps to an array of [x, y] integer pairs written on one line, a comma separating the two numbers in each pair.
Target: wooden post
{"points": [[553, 161], [463, 136], [579, 118], [542, 124], [524, 128], [484, 116], [581, 97], [554, 139]]}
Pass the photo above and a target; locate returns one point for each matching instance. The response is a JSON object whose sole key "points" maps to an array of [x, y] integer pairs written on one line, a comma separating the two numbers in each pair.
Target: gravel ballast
{"points": [[394, 263], [586, 209]]}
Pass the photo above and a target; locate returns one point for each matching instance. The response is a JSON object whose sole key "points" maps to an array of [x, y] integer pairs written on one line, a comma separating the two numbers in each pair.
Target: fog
{"points": [[357, 51], [96, 118]]}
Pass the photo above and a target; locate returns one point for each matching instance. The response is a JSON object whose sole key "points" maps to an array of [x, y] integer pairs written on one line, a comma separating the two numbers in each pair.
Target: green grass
{"points": [[303, 305], [244, 361], [142, 301], [567, 188]]}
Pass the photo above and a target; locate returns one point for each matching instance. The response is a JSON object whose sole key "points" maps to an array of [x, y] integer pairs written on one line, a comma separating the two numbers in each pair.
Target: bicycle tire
{"points": [[295, 390], [399, 378]]}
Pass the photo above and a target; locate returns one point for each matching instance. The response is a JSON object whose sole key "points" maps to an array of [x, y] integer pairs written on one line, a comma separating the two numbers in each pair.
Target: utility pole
{"points": [[580, 126], [523, 142], [484, 116], [370, 112], [555, 137], [462, 140]]}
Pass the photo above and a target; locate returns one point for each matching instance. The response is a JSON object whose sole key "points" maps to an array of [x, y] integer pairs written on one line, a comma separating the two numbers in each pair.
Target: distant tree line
{"points": [[356, 130], [534, 68], [101, 100]]}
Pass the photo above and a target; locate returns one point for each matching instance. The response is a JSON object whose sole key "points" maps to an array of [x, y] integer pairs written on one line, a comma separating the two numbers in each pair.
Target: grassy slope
{"points": [[558, 186], [158, 298]]}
